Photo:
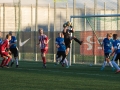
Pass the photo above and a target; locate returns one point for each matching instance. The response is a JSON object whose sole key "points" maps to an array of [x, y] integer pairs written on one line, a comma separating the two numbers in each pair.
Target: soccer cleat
{"points": [[118, 71], [62, 63], [7, 66], [16, 66], [67, 66], [12, 64], [102, 68], [55, 64], [44, 66], [113, 69], [80, 42]]}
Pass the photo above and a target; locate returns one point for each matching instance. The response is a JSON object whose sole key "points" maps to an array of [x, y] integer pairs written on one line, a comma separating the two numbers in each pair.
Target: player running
{"points": [[43, 42], [107, 47], [14, 49], [61, 49], [4, 51], [116, 52]]}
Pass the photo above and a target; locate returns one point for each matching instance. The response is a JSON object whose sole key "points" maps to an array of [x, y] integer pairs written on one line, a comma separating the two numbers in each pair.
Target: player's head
{"points": [[115, 36], [109, 35], [8, 36], [59, 34], [40, 31], [10, 33]]}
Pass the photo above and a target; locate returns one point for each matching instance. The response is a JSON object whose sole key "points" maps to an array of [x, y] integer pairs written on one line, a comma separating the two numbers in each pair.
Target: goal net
{"points": [[92, 29]]}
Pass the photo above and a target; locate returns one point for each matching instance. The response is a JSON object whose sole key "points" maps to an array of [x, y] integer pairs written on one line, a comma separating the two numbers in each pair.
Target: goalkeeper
{"points": [[67, 30]]}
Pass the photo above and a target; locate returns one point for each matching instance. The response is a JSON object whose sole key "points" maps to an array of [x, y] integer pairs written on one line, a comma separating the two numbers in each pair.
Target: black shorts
{"points": [[61, 53], [14, 51], [116, 57], [107, 55], [67, 46], [67, 42]]}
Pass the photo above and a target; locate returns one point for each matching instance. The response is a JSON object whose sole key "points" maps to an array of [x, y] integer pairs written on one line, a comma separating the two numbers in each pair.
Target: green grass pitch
{"points": [[31, 76]]}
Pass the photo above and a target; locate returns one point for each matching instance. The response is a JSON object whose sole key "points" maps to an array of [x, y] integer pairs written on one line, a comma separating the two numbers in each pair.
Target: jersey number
{"points": [[118, 45]]}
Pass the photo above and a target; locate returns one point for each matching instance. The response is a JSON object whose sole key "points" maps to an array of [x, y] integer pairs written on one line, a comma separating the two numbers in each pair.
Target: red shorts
{"points": [[4, 54], [44, 51]]}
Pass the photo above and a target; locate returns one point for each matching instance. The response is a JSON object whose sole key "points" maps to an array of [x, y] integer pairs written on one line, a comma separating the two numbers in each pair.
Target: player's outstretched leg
{"points": [[12, 62], [111, 65], [63, 59], [16, 59], [3, 62], [116, 66], [44, 62], [66, 62], [103, 66], [7, 61], [78, 41]]}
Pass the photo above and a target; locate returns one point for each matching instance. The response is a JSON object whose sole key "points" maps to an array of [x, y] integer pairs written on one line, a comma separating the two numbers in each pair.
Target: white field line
{"points": [[80, 73]]}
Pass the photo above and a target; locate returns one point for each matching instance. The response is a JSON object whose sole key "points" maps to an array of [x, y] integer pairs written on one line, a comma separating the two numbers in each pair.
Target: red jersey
{"points": [[43, 40], [4, 45]]}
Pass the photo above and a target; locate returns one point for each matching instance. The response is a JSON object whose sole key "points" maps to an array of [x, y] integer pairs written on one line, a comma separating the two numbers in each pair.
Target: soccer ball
{"points": [[69, 23]]}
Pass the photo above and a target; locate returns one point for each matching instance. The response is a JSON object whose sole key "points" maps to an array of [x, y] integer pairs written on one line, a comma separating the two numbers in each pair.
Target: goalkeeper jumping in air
{"points": [[67, 30]]}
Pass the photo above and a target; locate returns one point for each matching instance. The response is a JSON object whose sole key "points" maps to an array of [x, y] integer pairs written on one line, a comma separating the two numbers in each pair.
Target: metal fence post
{"points": [[19, 27], [54, 30], [118, 11], [48, 20], [31, 24], [104, 14], [36, 28], [95, 6], [66, 11], [84, 18], [118, 22], [3, 19], [74, 23], [15, 7]]}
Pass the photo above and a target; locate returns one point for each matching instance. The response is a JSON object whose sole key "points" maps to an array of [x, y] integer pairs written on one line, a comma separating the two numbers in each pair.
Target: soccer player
{"points": [[43, 42], [14, 49], [116, 52], [61, 49], [107, 47], [67, 36], [5, 52]]}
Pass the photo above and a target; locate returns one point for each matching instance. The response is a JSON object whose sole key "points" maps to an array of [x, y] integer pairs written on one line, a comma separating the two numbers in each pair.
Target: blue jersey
{"points": [[116, 45], [1, 41], [107, 45], [13, 40], [60, 42]]}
